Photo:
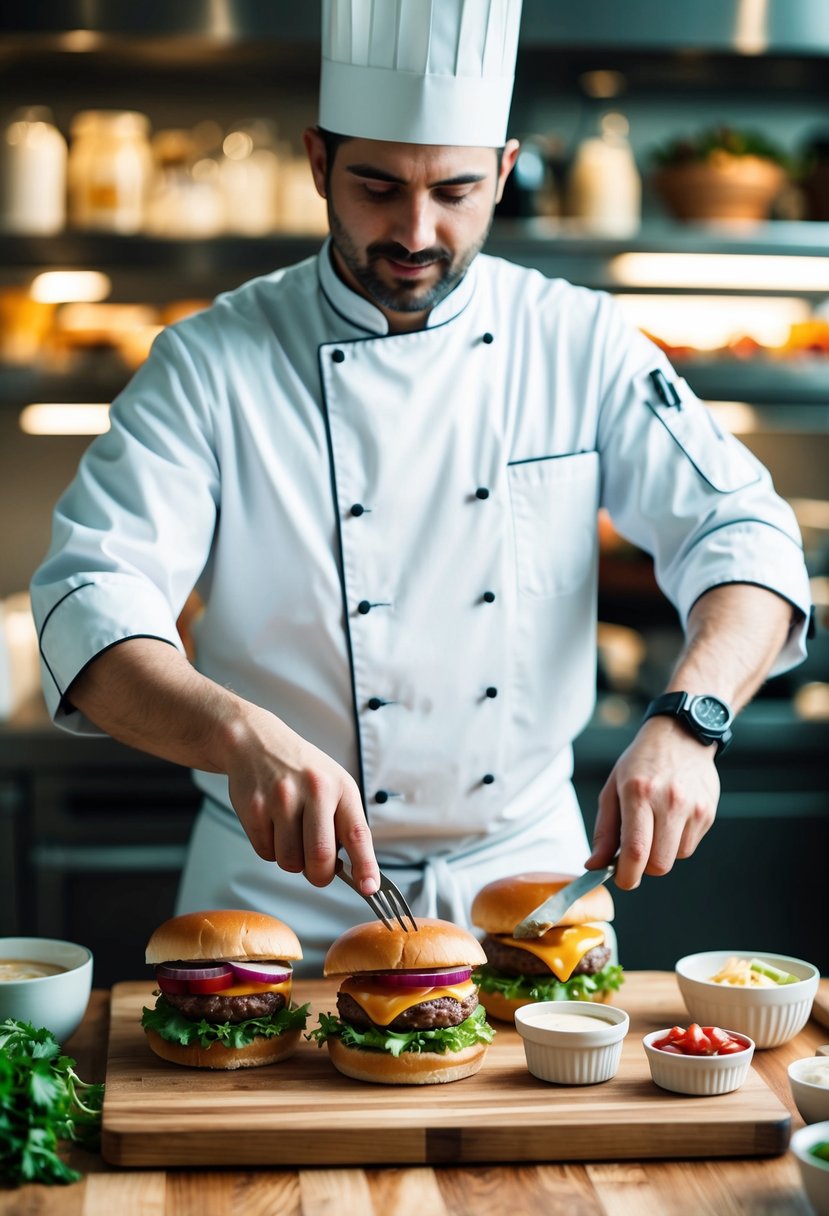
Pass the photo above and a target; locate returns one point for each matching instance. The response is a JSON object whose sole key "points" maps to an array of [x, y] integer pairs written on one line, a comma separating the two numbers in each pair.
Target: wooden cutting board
{"points": [[303, 1112]]}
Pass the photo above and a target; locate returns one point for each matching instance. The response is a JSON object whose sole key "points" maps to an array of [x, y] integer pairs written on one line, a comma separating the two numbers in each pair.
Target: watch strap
{"points": [[675, 705]]}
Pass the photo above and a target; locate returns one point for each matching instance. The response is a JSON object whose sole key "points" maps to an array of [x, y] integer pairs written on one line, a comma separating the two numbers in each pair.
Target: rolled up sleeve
{"points": [[132, 533], [689, 494]]}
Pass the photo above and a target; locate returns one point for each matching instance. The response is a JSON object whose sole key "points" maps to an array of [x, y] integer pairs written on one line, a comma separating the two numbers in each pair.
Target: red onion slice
{"points": [[422, 979], [261, 973], [196, 970]]}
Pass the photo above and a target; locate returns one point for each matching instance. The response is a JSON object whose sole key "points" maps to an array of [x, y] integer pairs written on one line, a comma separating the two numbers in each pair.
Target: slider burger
{"points": [[224, 990], [570, 962], [408, 1007]]}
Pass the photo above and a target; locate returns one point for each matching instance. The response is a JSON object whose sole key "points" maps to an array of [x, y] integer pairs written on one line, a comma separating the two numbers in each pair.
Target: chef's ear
{"points": [[317, 158], [509, 156]]}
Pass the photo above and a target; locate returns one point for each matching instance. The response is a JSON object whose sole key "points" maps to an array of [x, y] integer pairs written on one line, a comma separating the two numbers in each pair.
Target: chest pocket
{"points": [[718, 457], [554, 502]]}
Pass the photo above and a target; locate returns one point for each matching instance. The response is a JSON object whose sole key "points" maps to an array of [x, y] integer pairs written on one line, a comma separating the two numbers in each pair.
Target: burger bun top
{"points": [[437, 945], [226, 934], [499, 906]]}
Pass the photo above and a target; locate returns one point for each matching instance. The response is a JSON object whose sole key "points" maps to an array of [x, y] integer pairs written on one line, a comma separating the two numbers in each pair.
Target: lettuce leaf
{"points": [[475, 1029], [176, 1028], [548, 988]]}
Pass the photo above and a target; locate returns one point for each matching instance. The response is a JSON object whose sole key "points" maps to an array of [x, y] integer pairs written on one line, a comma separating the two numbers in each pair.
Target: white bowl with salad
{"points": [[765, 996]]}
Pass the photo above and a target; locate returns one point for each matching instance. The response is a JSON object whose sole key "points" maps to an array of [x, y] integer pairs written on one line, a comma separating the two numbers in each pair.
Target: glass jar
{"points": [[110, 170], [33, 174]]}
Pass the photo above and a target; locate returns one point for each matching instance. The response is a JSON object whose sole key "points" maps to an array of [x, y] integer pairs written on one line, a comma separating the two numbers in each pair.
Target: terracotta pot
{"points": [[723, 187]]}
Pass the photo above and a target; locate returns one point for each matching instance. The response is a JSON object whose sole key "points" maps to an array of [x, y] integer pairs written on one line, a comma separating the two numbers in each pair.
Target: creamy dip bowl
{"points": [[46, 982], [572, 1042]]}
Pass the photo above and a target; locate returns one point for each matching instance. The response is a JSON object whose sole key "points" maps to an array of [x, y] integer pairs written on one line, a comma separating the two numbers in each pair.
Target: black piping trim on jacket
{"points": [[378, 337], [743, 484], [154, 636], [745, 582], [553, 456], [46, 619], [341, 572]]}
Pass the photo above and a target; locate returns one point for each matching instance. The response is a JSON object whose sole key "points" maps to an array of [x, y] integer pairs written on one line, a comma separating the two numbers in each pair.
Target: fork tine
{"points": [[374, 903], [391, 907], [398, 904]]}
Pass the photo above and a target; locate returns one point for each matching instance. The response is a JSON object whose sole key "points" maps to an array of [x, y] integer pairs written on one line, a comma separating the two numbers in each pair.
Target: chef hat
{"points": [[419, 71]]}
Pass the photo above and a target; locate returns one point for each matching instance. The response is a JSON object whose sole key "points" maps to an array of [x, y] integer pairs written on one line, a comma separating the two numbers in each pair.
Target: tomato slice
{"points": [[732, 1046], [695, 1042]]}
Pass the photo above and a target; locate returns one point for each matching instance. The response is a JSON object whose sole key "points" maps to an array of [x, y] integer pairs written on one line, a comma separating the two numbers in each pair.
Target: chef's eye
{"points": [[379, 194], [452, 200]]}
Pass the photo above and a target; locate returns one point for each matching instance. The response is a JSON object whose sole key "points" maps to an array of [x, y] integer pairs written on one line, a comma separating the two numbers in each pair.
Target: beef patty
{"points": [[513, 961], [428, 1015], [214, 1007]]}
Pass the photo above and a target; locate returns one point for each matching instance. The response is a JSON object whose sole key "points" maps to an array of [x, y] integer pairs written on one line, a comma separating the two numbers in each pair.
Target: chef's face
{"points": [[407, 219]]}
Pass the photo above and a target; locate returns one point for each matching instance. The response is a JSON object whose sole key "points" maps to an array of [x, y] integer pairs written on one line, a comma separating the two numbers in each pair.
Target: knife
{"points": [[551, 911]]}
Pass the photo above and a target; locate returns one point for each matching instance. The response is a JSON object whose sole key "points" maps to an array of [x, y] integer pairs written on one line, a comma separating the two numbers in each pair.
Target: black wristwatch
{"points": [[706, 717]]}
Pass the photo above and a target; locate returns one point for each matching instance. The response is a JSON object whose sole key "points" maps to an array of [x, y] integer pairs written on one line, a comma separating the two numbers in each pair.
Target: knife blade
{"points": [[551, 911]]}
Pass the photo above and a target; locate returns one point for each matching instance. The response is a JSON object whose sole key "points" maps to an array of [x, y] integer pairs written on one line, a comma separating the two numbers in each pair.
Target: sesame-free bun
{"points": [[499, 906], [409, 1068], [437, 944], [225, 934], [217, 1056]]}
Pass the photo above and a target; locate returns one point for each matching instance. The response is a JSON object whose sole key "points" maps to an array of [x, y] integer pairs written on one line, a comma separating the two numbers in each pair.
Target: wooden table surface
{"points": [[723, 1187]]}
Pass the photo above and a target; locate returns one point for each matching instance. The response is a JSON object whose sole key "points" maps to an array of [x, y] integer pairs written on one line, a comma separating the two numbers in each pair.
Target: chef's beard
{"points": [[405, 297]]}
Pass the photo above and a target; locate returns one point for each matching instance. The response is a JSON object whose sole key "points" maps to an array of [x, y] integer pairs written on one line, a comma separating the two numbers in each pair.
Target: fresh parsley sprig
{"points": [[42, 1101]]}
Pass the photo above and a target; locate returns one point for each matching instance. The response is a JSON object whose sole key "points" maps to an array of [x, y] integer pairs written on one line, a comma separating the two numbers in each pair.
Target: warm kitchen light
{"points": [[55, 418], [64, 286], [729, 271], [738, 417], [80, 41], [711, 322]]}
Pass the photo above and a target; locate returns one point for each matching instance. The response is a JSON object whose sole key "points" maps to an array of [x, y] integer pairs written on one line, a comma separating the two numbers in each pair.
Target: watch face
{"points": [[711, 713]]}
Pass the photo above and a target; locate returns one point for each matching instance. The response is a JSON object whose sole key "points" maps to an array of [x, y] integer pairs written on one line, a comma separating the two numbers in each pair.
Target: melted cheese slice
{"points": [[247, 989], [383, 1004], [561, 949]]}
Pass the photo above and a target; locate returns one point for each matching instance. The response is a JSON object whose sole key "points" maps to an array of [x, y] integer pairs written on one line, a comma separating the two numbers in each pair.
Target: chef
{"points": [[381, 470]]}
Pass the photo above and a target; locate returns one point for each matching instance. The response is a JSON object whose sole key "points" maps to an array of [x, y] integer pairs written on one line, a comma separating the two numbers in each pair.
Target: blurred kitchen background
{"points": [[675, 155]]}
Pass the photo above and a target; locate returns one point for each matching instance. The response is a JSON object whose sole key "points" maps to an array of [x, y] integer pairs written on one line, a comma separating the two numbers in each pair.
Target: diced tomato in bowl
{"points": [[699, 1060], [699, 1040]]}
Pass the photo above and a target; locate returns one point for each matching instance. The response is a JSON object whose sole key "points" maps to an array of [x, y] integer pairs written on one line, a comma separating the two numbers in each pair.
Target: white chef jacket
{"points": [[394, 535]]}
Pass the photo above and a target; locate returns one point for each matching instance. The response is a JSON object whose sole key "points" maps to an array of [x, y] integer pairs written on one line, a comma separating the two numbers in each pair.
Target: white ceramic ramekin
{"points": [[700, 1076], [572, 1057]]}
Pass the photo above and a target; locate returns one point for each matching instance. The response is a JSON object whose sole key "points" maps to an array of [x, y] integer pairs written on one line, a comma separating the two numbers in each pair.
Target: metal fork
{"points": [[387, 903]]}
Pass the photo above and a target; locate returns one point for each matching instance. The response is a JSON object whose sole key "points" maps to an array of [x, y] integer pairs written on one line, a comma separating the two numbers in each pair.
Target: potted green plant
{"points": [[720, 173]]}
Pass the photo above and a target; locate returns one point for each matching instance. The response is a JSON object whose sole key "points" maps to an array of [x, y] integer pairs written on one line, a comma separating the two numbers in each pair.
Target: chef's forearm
{"points": [[144, 693], [735, 633]]}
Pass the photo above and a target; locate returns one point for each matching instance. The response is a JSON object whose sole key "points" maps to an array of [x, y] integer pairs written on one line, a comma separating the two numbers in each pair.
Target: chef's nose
{"points": [[415, 224]]}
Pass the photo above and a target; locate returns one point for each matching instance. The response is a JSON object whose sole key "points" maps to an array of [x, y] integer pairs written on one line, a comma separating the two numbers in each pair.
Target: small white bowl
{"points": [[701, 1076], [811, 1099], [57, 1002], [814, 1173], [769, 1016], [572, 1057]]}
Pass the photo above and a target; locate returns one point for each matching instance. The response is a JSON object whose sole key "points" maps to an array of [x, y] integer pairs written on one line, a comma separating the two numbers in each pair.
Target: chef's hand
{"points": [[657, 804], [296, 804]]}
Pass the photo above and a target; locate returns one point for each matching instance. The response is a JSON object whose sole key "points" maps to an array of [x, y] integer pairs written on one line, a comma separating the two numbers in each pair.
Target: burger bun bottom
{"points": [[409, 1068], [503, 1008], [217, 1056]]}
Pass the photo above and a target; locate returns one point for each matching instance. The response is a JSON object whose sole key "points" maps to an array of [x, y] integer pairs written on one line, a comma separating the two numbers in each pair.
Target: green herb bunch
{"points": [[42, 1101], [685, 149]]}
